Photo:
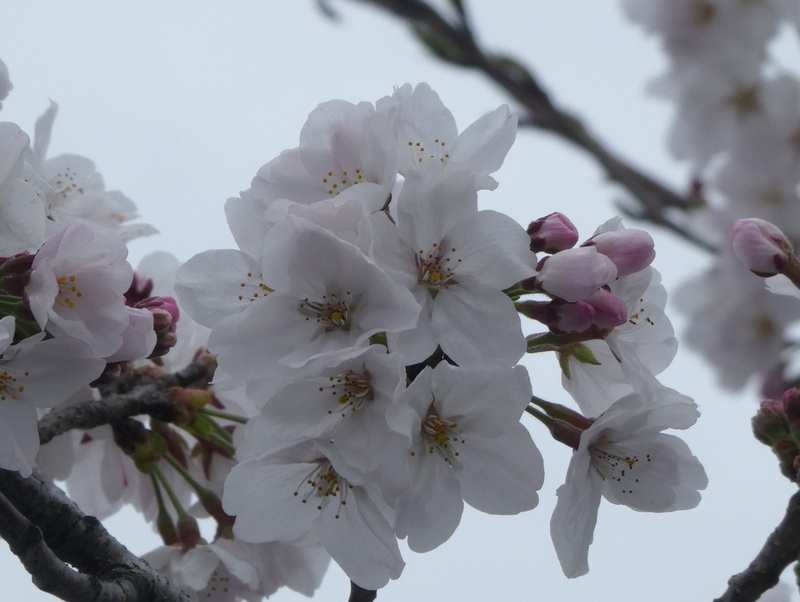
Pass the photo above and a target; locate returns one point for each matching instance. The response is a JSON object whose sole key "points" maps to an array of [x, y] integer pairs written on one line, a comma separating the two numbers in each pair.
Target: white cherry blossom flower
{"points": [[328, 297], [77, 193], [625, 457], [343, 404], [632, 353], [76, 288], [456, 260], [36, 373], [346, 152], [303, 494], [427, 136], [467, 445], [22, 211]]}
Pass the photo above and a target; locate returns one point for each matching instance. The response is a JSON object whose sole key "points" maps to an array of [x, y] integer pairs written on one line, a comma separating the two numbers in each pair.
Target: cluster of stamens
{"points": [[322, 484], [338, 184], [437, 152], [441, 436], [64, 183], [640, 316], [436, 266], [261, 289], [350, 390], [332, 312], [9, 389], [68, 291], [616, 464]]}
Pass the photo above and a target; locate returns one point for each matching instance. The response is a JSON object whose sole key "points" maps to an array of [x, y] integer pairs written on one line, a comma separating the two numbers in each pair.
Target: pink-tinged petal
{"points": [[483, 146], [475, 323], [236, 283], [484, 400], [429, 512], [362, 542], [501, 475], [573, 521], [50, 371], [428, 209], [492, 249], [261, 495], [13, 142], [660, 475], [575, 274]]}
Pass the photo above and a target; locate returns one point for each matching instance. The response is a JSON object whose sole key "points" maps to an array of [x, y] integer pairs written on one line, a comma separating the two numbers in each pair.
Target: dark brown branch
{"points": [[114, 574], [47, 572], [359, 594], [780, 550], [456, 44], [149, 397]]}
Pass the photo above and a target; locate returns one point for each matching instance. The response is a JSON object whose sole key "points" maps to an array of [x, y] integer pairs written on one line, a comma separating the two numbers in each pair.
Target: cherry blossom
{"points": [[466, 445], [625, 457]]}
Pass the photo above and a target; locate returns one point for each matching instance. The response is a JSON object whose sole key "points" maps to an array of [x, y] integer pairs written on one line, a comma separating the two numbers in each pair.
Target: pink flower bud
{"points": [[630, 250], [610, 310], [165, 321], [761, 246], [770, 424], [573, 317], [575, 274], [552, 233]]}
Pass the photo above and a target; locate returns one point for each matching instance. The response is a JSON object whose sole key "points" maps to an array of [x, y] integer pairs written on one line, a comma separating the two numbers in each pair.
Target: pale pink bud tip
{"points": [[630, 250], [761, 246], [552, 233]]}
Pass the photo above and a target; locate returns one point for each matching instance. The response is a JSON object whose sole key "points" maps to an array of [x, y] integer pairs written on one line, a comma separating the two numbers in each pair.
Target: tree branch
{"points": [[46, 526], [142, 396], [456, 44], [780, 550], [359, 594], [47, 572]]}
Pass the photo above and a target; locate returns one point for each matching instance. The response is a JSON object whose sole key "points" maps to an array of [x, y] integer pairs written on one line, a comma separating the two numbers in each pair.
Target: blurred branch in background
{"points": [[455, 43]]}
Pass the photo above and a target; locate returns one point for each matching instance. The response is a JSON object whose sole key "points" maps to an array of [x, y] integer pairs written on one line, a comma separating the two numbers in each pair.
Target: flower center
{"points": [[65, 184], [336, 183], [436, 266], [323, 484], [68, 291], [333, 312], [9, 389], [618, 464], [350, 390], [437, 150], [441, 437], [641, 317]]}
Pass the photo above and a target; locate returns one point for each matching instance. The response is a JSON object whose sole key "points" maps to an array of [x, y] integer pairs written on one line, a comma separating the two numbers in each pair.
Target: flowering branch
{"points": [[456, 44], [781, 549], [46, 531], [146, 397]]}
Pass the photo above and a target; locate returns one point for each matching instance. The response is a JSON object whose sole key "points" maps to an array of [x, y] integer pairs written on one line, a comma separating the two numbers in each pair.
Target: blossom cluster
{"points": [[736, 125], [64, 318], [367, 335], [371, 315]]}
